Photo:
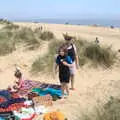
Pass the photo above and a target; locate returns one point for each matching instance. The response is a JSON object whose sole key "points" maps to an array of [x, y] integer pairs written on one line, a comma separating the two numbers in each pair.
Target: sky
{"points": [[60, 9]]}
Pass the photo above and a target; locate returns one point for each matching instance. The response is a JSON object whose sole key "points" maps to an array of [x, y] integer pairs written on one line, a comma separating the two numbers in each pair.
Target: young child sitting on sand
{"points": [[18, 82]]}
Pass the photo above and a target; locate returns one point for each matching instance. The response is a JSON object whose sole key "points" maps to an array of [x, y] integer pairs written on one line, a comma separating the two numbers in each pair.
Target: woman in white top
{"points": [[72, 52]]}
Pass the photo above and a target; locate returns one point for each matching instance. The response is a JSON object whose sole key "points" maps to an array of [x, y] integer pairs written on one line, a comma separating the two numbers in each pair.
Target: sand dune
{"points": [[91, 84]]}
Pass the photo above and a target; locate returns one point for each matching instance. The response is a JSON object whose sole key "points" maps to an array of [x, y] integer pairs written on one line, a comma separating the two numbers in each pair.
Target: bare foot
{"points": [[72, 89]]}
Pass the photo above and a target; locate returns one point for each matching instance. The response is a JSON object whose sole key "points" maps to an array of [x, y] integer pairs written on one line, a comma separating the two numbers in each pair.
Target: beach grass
{"points": [[11, 35], [7, 44], [100, 55], [4, 21], [45, 63], [88, 52], [29, 37], [47, 35], [11, 26]]}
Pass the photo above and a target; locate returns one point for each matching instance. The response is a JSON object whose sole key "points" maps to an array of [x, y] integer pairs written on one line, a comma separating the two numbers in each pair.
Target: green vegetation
{"points": [[29, 37], [100, 55], [12, 35], [11, 27], [47, 35], [6, 43], [96, 54], [88, 52], [3, 21], [45, 63]]}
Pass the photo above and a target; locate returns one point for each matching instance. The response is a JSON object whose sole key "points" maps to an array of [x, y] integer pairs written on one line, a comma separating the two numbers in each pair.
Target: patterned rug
{"points": [[29, 85], [10, 101]]}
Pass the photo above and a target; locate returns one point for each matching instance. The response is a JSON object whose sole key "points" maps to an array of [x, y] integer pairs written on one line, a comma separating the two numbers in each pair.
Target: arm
{"points": [[76, 57], [69, 65], [20, 83], [56, 68], [77, 62], [68, 62]]}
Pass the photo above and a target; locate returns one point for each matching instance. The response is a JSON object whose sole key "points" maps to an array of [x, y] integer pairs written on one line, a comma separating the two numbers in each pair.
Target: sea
{"points": [[99, 22]]}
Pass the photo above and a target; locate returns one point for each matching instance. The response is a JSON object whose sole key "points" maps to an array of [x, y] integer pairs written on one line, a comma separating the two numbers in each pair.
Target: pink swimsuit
{"points": [[21, 81]]}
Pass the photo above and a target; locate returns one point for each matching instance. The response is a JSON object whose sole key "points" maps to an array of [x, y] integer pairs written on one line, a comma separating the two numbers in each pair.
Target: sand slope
{"points": [[91, 84]]}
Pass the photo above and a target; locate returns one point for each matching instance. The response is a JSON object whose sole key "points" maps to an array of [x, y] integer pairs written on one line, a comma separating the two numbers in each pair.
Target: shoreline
{"points": [[68, 23]]}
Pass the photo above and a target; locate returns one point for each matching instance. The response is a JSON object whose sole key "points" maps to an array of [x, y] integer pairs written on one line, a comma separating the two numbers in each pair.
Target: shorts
{"points": [[64, 78], [73, 69]]}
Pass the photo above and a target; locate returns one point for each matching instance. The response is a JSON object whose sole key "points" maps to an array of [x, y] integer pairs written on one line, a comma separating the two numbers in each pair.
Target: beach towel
{"points": [[54, 86], [53, 92], [7, 98], [40, 109], [7, 115], [43, 100], [1, 118], [12, 107], [4, 95], [28, 85], [10, 101], [25, 114], [32, 95]]}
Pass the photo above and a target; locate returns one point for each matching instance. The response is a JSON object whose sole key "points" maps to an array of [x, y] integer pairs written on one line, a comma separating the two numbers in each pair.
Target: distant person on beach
{"points": [[64, 63], [41, 28], [72, 52], [96, 40]]}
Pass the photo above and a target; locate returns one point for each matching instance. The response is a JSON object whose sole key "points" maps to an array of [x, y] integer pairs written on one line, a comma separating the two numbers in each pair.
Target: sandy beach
{"points": [[92, 85]]}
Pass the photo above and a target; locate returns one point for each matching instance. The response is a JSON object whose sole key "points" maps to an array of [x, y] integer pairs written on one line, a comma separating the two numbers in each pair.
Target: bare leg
{"points": [[62, 88], [72, 81], [67, 89]]}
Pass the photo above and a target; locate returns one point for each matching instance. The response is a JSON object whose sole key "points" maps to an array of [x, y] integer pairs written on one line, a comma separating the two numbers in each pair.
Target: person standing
{"points": [[64, 62], [97, 40], [72, 52]]}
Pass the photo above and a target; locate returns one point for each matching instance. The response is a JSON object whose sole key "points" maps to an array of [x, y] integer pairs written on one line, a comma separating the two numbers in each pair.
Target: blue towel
{"points": [[11, 101], [46, 91], [5, 94], [53, 92], [2, 118]]}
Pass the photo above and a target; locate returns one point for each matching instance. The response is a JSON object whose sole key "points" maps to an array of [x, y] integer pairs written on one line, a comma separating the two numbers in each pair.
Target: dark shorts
{"points": [[64, 78]]}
